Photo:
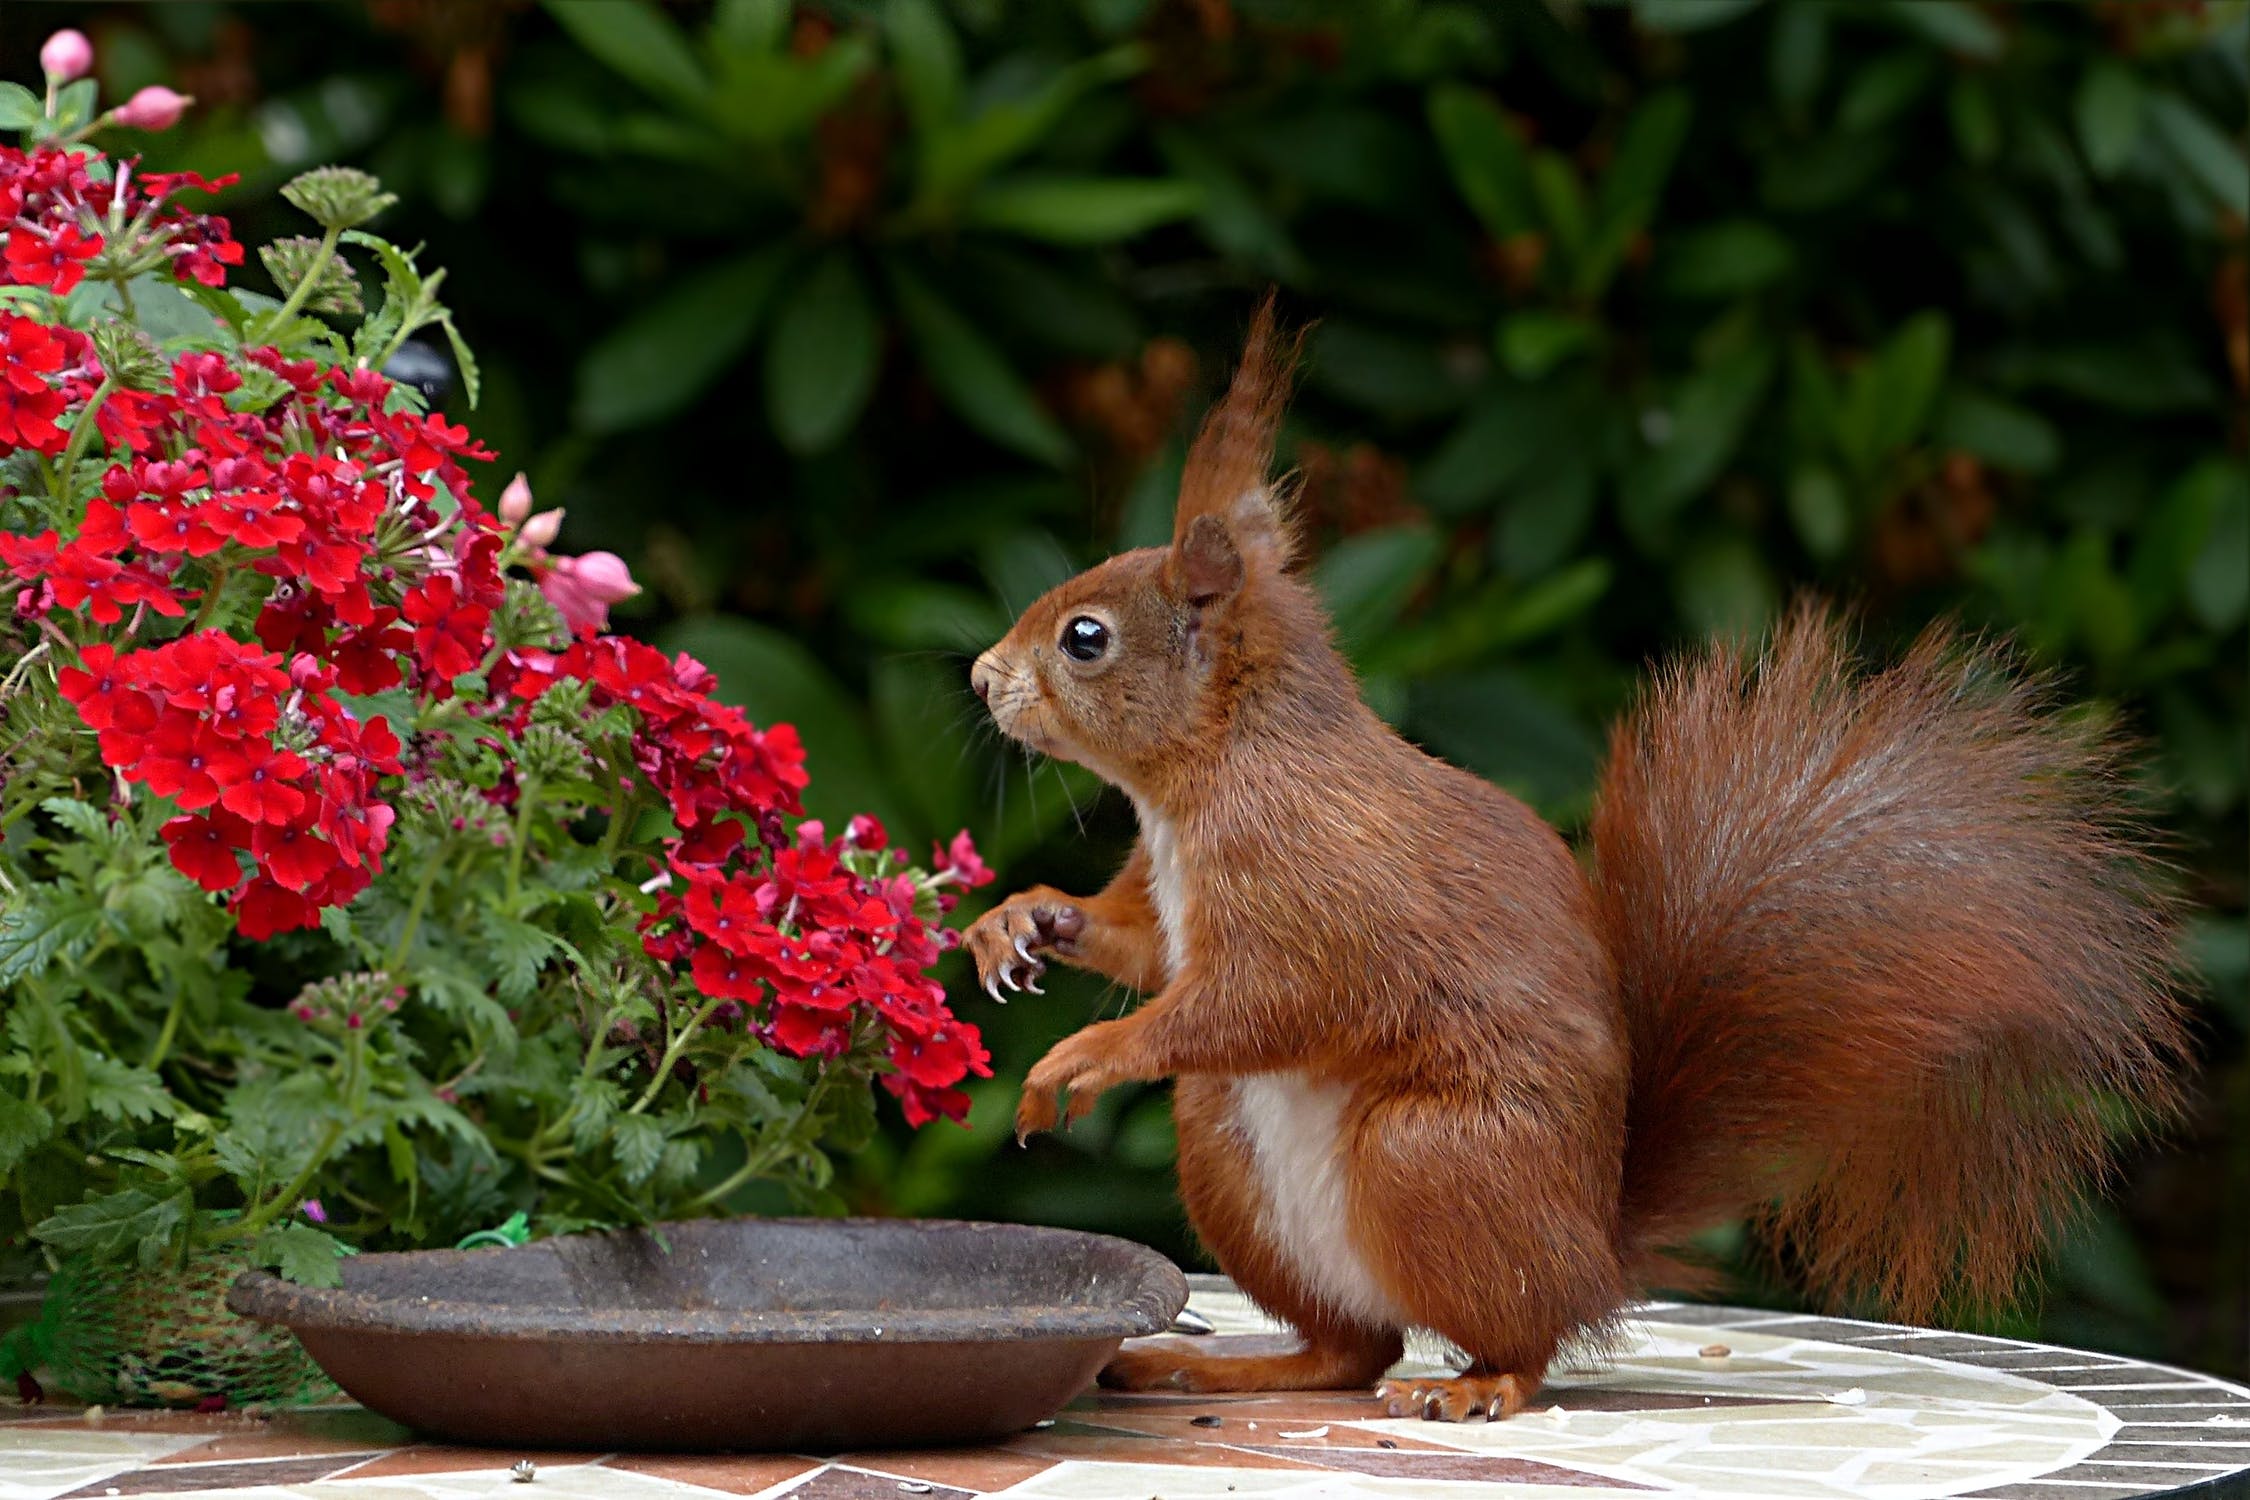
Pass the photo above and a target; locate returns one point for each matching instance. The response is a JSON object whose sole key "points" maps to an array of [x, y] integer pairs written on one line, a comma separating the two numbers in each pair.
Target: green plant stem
{"points": [[211, 596], [251, 1223], [81, 434], [527, 803], [279, 318], [672, 1056], [756, 1163], [164, 1037], [414, 910]]}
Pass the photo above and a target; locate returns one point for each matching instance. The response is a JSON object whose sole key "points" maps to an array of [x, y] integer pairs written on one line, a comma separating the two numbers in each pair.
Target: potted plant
{"points": [[356, 888]]}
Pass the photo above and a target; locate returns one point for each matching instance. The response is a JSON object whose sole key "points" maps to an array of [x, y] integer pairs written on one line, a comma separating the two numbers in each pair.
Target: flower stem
{"points": [[527, 803], [279, 318], [672, 1056], [273, 1208], [415, 909], [81, 434]]}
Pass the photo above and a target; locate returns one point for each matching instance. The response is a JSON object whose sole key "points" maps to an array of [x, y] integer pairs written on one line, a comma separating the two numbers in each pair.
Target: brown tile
{"points": [[180, 1479], [1474, 1468], [980, 1469], [340, 1432], [728, 1473], [835, 1483], [443, 1458]]}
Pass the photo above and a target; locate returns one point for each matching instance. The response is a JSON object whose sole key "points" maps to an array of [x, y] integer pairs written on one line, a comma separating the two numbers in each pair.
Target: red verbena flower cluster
{"points": [[260, 541], [63, 215]]}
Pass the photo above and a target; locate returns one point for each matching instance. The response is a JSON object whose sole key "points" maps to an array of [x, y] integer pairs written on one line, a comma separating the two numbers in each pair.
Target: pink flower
{"points": [[314, 1211], [540, 531], [583, 588], [960, 861], [515, 501], [66, 55], [153, 108]]}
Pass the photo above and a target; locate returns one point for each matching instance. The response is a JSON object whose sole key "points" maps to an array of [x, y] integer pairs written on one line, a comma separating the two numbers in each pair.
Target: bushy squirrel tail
{"points": [[1894, 955]]}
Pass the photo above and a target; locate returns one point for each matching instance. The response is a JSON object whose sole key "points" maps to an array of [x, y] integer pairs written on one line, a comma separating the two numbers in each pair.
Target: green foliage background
{"points": [[855, 325]]}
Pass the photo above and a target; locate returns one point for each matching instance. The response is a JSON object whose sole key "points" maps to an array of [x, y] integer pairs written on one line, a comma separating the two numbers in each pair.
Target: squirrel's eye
{"points": [[1085, 638]]}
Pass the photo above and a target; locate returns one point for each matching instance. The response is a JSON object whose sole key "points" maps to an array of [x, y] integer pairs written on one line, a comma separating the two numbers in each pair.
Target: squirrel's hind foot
{"points": [[1457, 1398]]}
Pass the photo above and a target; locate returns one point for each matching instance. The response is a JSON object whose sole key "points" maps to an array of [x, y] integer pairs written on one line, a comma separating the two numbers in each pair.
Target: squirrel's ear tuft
{"points": [[1229, 470], [1205, 565]]}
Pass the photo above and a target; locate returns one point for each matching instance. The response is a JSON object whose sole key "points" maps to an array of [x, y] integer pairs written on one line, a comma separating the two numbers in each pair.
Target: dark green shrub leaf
{"points": [[20, 108], [1723, 260], [822, 359], [1999, 432], [1799, 59], [106, 1227], [637, 1143], [928, 59], [23, 1125], [1629, 191], [1888, 401], [2205, 152], [1689, 15], [1975, 118], [1367, 579], [639, 42], [1500, 726], [1384, 371], [119, 1091], [2174, 542], [1081, 210], [2219, 587], [1952, 24], [972, 376], [1532, 343], [2109, 115], [1884, 89], [1489, 164], [1821, 512], [1694, 437], [1725, 588], [674, 348]]}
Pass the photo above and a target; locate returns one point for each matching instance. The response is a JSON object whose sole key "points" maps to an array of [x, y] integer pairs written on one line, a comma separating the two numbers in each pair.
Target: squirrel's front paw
{"points": [[1080, 1065], [1006, 941]]}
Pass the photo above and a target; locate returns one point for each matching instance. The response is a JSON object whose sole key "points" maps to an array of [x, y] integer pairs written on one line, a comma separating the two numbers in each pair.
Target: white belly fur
{"points": [[1290, 1125]]}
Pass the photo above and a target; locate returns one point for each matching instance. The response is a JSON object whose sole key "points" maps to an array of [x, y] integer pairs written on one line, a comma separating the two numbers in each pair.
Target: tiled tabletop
{"points": [[1695, 1401]]}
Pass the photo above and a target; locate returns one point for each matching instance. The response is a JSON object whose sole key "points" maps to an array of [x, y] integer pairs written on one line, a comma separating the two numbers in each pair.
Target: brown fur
{"points": [[1859, 954]]}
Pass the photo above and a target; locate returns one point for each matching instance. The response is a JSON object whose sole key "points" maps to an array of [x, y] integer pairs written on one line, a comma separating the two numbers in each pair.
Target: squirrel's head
{"points": [[1134, 666]]}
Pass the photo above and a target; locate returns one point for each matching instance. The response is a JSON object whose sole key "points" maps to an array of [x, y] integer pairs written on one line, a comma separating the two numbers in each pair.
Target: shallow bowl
{"points": [[739, 1334]]}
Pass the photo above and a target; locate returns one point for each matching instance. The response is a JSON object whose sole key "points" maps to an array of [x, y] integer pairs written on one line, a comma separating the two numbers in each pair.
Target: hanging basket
{"points": [[121, 1336]]}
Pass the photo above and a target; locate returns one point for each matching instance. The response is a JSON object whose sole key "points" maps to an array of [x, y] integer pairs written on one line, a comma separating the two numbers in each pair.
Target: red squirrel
{"points": [[1869, 957]]}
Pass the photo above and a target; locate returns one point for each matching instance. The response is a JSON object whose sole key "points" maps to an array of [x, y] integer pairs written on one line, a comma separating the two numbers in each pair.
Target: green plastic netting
{"points": [[121, 1336]]}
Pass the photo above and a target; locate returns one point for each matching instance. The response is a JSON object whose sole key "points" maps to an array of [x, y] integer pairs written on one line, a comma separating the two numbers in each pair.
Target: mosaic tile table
{"points": [[1795, 1407]]}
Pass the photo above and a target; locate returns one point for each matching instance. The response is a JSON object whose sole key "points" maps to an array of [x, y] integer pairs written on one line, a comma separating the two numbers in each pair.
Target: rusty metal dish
{"points": [[739, 1334]]}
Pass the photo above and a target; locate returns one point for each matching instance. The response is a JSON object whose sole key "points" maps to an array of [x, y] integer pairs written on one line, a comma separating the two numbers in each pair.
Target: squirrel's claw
{"points": [[992, 988]]}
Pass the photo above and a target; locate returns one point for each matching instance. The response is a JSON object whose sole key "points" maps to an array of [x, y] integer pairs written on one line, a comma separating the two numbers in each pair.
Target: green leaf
{"points": [[1502, 726], [23, 1125], [1532, 343], [517, 950], [927, 58], [1799, 59], [87, 821], [955, 155], [301, 1253], [674, 347], [1367, 579], [119, 1091], [472, 379], [2108, 110], [1976, 118], [106, 1227], [639, 42], [822, 361], [1384, 370], [1700, 432], [1626, 199], [637, 1143], [1885, 89], [1081, 210], [1999, 432], [1821, 511], [2208, 155], [973, 377], [20, 108], [2174, 542], [1506, 430], [1724, 260], [1489, 164], [1889, 400], [36, 930], [1690, 15], [2219, 586], [1725, 588], [1957, 27]]}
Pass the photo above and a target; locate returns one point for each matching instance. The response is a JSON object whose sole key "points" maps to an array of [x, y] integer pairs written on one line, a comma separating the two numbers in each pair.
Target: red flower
{"points": [[728, 976], [263, 908], [203, 850], [290, 855], [29, 353], [448, 636], [104, 693], [55, 261], [259, 783], [960, 861]]}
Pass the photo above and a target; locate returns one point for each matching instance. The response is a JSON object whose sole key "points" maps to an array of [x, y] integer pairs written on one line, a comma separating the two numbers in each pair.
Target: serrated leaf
{"points": [[23, 1125], [81, 818], [36, 931], [107, 1227], [301, 1253], [472, 380], [637, 1144], [594, 1103], [518, 950], [119, 1091]]}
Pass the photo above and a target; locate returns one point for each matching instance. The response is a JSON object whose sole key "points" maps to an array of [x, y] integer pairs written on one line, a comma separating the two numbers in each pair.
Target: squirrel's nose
{"points": [[980, 679]]}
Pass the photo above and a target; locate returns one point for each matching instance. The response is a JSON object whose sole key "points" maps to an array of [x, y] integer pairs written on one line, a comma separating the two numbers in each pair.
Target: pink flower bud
{"points": [[583, 588], [865, 832], [515, 501], [811, 834], [542, 529], [67, 55], [314, 1211], [153, 108]]}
